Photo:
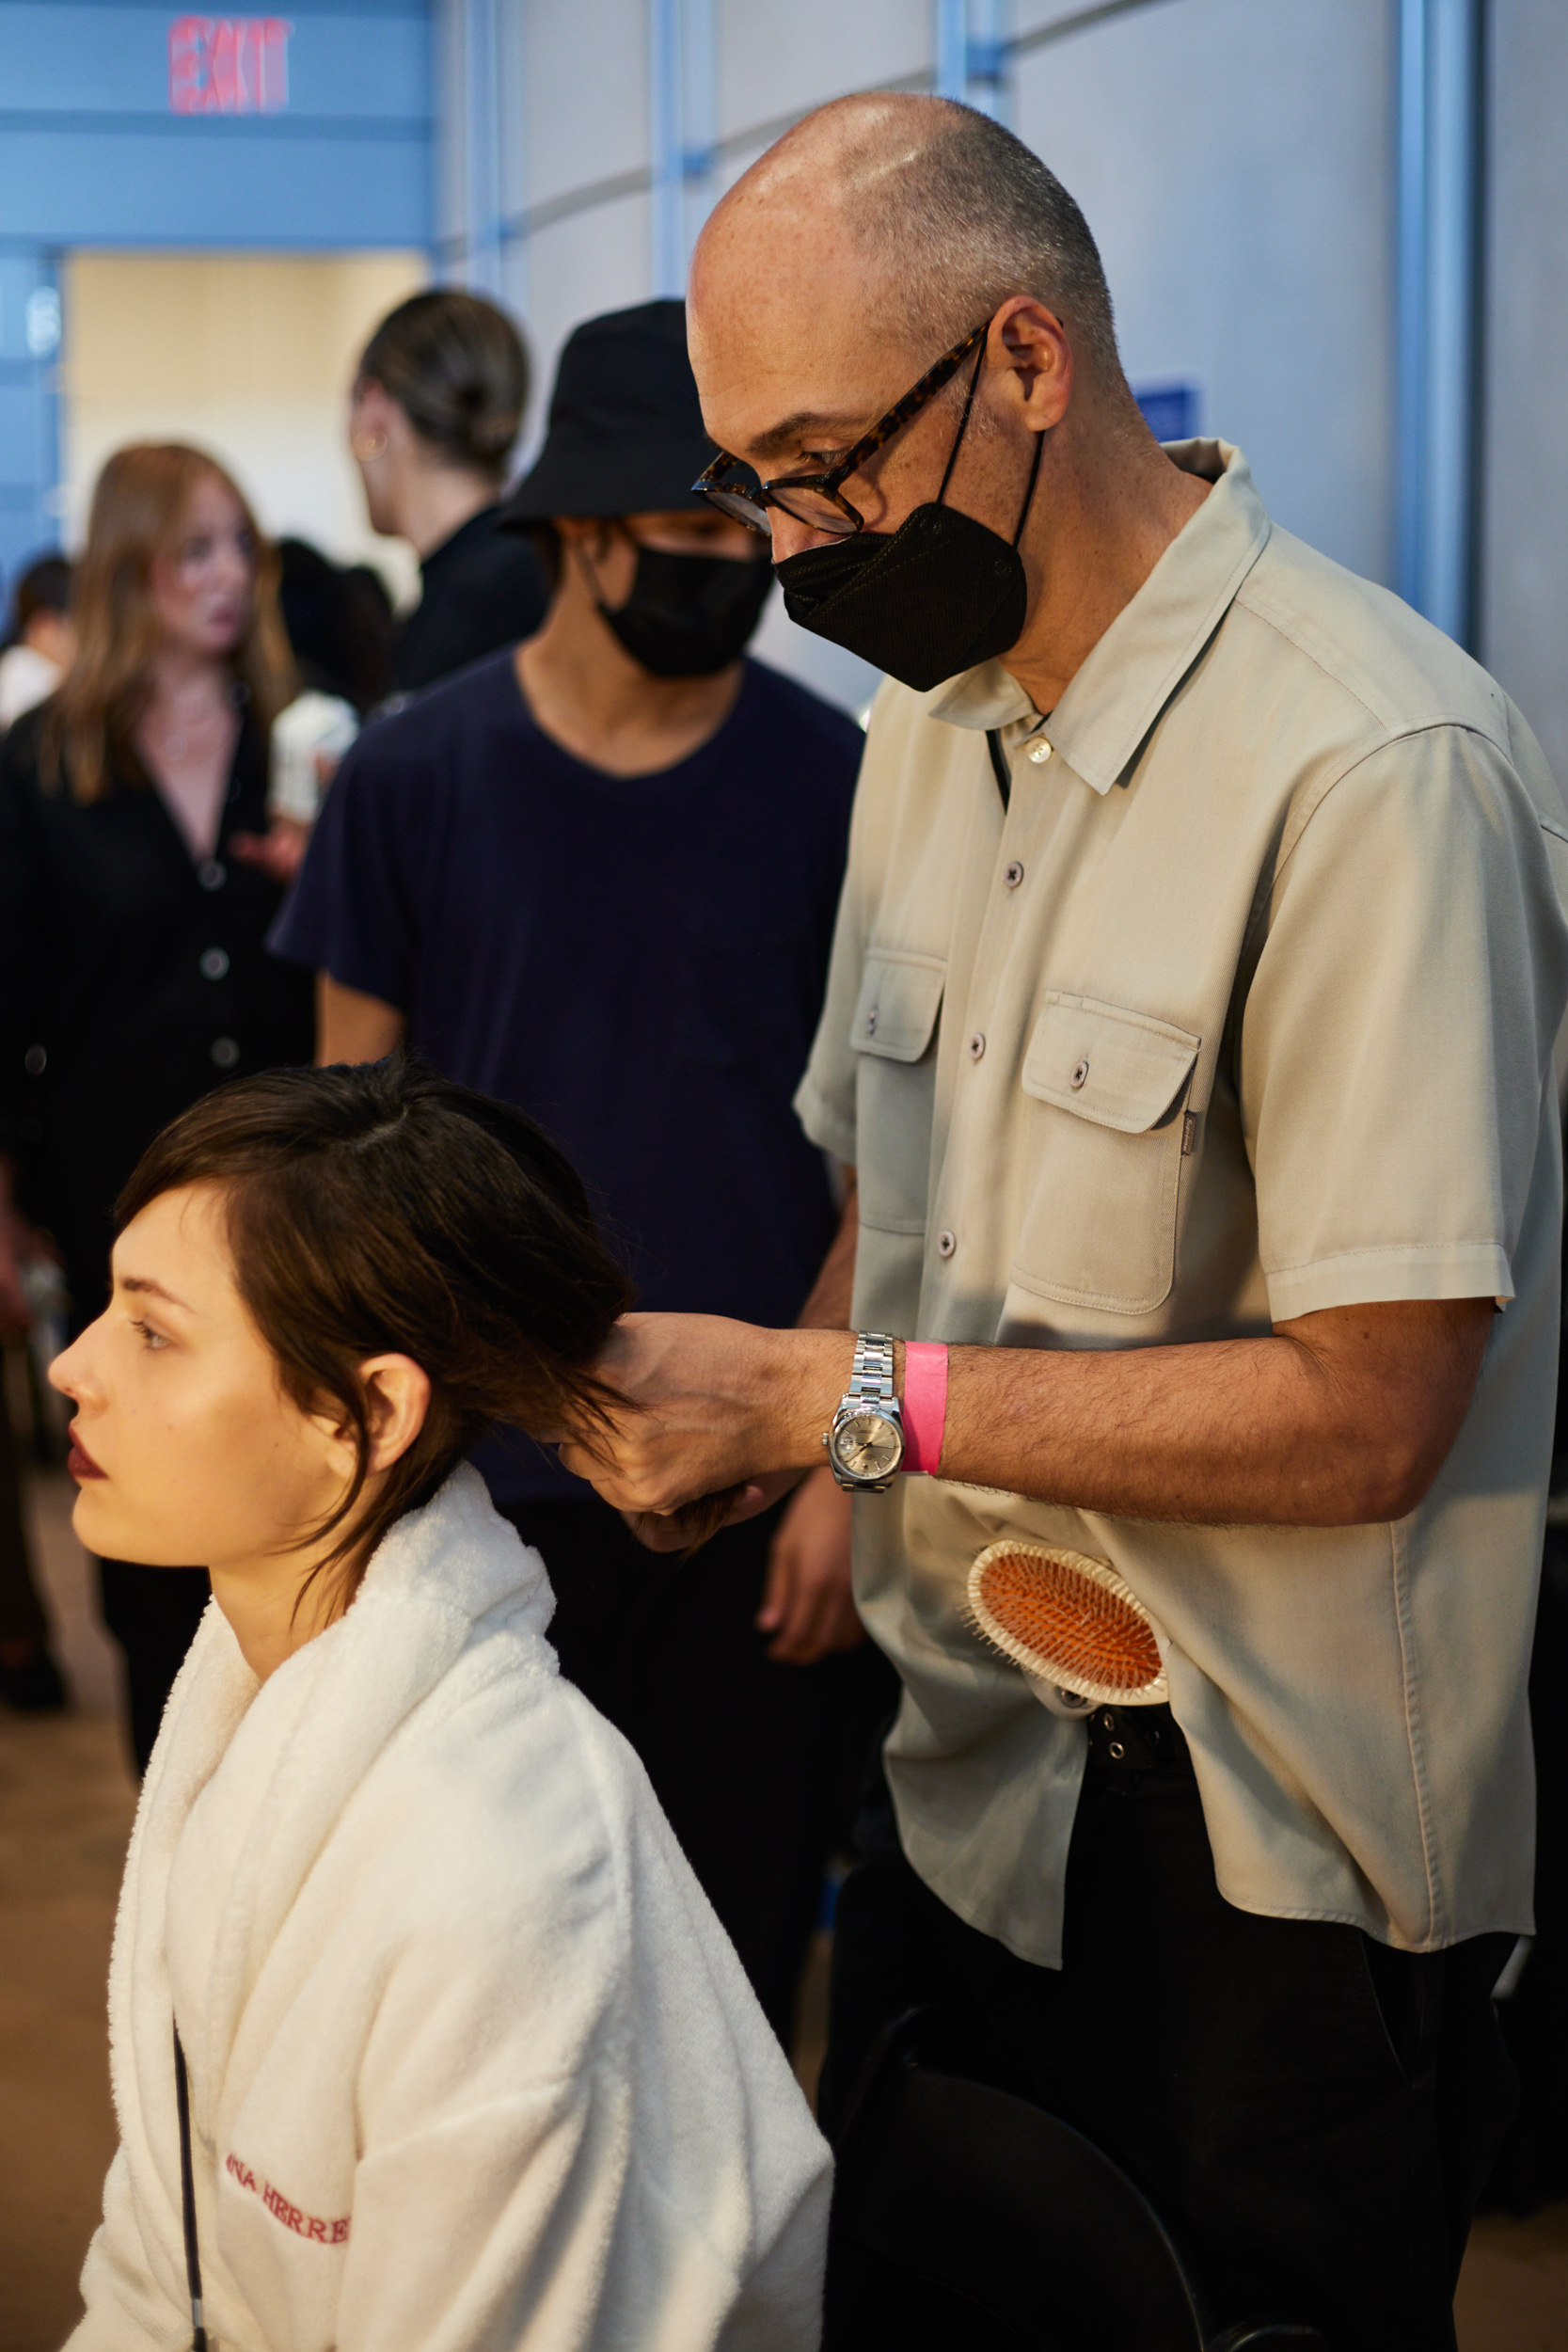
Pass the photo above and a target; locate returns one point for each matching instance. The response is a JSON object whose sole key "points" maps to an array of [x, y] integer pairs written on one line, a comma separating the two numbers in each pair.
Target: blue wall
{"points": [[91, 153]]}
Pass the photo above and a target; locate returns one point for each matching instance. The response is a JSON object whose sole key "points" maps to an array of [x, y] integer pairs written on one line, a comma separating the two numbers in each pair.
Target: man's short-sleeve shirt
{"points": [[1244, 1007], [638, 961]]}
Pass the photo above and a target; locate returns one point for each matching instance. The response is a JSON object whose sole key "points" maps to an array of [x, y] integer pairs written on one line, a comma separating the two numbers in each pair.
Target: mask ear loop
{"points": [[1029, 493], [964, 420], [585, 564]]}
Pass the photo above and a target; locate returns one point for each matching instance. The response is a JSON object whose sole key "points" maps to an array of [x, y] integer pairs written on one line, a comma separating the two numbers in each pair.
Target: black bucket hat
{"points": [[626, 430]]}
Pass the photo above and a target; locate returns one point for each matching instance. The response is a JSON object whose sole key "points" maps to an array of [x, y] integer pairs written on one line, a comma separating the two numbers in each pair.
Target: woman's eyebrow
{"points": [[144, 1283]]}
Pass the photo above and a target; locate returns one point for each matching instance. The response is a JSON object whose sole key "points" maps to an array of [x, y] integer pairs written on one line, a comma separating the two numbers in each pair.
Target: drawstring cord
{"points": [[187, 2198]]}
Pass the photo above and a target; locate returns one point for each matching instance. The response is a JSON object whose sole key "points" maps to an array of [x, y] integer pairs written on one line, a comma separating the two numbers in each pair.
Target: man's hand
{"points": [[807, 1605], [715, 1405], [279, 852]]}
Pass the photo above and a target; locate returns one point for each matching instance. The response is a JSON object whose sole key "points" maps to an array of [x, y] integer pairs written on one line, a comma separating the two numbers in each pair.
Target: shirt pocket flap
{"points": [[1119, 1068], [900, 999]]}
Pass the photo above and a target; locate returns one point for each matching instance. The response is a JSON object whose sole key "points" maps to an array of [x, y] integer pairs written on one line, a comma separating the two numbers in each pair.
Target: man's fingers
{"points": [[776, 1586]]}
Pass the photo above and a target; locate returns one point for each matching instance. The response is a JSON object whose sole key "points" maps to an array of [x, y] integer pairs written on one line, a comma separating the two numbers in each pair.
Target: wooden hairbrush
{"points": [[1068, 1621]]}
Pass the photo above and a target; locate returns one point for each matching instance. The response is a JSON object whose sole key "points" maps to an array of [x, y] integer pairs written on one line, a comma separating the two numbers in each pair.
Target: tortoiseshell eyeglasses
{"points": [[815, 499]]}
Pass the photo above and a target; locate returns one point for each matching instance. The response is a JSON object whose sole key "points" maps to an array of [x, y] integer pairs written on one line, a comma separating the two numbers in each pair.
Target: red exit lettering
{"points": [[228, 65]]}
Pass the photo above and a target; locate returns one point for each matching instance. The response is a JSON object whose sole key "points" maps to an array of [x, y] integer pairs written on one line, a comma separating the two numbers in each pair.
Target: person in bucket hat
{"points": [[596, 874]]}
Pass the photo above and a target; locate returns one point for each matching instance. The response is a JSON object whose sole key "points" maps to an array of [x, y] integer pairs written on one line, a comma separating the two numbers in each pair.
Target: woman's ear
{"points": [[397, 1398]]}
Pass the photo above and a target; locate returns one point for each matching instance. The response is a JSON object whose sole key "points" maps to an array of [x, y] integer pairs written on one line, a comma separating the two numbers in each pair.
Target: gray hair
{"points": [[961, 215]]}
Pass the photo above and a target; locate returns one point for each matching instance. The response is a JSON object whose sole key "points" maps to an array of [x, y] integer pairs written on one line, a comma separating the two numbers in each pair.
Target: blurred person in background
{"points": [[29, 1679], [339, 624], [436, 409], [133, 974], [597, 878], [39, 639]]}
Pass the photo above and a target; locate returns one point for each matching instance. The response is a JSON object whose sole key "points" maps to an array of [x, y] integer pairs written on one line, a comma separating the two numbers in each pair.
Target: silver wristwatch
{"points": [[865, 1444]]}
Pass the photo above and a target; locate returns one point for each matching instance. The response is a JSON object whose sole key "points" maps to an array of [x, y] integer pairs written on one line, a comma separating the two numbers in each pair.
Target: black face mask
{"points": [[937, 596], [689, 615]]}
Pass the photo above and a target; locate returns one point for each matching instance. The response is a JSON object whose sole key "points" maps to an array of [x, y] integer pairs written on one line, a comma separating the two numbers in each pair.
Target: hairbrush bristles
{"points": [[1067, 1620]]}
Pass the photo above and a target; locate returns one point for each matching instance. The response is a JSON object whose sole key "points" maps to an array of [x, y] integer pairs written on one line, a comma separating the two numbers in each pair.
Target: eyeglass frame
{"points": [[913, 400]]}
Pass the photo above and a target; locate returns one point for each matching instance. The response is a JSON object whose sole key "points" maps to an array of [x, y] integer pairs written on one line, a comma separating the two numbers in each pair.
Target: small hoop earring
{"points": [[373, 445]]}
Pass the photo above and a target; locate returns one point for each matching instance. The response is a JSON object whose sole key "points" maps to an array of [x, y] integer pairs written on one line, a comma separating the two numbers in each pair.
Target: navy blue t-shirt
{"points": [[638, 961]]}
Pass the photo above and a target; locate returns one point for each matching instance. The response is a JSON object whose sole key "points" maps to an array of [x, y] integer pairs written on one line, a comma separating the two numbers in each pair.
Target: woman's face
{"points": [[203, 587], [185, 1447]]}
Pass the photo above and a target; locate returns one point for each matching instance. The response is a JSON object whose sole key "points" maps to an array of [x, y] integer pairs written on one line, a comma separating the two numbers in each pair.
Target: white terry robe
{"points": [[472, 2063]]}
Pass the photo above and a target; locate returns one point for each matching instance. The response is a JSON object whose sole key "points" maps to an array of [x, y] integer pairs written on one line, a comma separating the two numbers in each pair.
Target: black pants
{"points": [[152, 1614], [1310, 2114], [756, 1764]]}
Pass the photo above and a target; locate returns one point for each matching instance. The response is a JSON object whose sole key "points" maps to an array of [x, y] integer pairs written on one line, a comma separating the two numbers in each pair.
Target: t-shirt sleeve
{"points": [[1397, 1041], [354, 911]]}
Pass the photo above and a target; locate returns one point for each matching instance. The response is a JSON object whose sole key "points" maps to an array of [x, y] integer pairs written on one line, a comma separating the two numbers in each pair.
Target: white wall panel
{"points": [[1234, 161], [1525, 477]]}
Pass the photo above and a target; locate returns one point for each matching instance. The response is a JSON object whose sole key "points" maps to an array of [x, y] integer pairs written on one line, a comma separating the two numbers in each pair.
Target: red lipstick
{"points": [[78, 1461]]}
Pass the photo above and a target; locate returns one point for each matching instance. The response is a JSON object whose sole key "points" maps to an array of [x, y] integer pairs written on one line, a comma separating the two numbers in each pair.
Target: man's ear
{"points": [[397, 1398], [1040, 352]]}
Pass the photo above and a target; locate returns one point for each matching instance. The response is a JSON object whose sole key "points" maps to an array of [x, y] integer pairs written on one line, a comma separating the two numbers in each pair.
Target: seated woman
{"points": [[471, 2063]]}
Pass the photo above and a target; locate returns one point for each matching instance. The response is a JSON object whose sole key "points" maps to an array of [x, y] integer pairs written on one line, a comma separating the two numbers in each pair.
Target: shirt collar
{"points": [[1131, 674]]}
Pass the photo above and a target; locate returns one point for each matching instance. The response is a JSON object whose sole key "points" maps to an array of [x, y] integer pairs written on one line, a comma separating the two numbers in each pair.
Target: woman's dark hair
{"points": [[43, 587], [339, 623], [456, 367], [381, 1209]]}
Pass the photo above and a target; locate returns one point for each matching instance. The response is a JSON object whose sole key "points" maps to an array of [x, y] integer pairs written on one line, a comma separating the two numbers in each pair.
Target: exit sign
{"points": [[228, 65]]}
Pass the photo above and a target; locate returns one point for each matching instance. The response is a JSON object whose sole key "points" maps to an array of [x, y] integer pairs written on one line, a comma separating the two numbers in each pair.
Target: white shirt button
{"points": [[214, 964], [1039, 753], [947, 1244], [1013, 875], [225, 1052], [1079, 1073], [976, 1045], [211, 874]]}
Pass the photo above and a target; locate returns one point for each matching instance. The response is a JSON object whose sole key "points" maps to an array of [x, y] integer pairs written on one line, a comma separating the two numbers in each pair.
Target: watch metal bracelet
{"points": [[871, 1373]]}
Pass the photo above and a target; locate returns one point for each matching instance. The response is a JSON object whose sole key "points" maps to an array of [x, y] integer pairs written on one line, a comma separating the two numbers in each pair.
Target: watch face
{"points": [[867, 1445]]}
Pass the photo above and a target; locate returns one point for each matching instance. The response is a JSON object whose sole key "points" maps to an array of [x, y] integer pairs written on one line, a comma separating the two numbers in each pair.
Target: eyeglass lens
{"points": [[812, 508], [740, 508], [804, 506]]}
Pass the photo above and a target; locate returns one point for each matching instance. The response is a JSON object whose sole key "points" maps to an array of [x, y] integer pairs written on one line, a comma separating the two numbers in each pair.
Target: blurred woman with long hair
{"points": [[133, 970]]}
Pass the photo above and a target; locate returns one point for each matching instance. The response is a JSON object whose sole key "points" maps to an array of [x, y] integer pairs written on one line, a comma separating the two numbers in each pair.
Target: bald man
{"points": [[1189, 1030]]}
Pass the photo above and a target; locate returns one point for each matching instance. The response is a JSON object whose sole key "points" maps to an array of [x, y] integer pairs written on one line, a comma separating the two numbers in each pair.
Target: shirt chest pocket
{"points": [[1105, 1134], [892, 1035]]}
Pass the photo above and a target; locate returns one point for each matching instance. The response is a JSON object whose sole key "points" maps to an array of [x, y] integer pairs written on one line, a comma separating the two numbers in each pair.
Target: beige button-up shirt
{"points": [[1246, 1006]]}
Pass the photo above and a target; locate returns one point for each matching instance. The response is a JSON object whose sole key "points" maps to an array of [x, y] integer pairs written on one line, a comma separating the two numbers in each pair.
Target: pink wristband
{"points": [[924, 1403]]}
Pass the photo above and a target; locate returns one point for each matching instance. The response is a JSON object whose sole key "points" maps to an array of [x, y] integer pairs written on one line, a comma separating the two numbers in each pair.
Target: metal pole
{"points": [[952, 35], [987, 55], [1439, 310], [481, 139], [665, 144], [699, 120]]}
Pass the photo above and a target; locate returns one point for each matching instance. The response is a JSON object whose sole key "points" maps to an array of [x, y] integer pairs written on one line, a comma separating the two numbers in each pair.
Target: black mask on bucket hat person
{"points": [[688, 616], [626, 436], [938, 595]]}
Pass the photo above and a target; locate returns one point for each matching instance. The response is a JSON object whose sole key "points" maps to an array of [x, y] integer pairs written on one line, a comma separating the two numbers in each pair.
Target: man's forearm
{"points": [[1338, 1419], [828, 1308], [1343, 1419]]}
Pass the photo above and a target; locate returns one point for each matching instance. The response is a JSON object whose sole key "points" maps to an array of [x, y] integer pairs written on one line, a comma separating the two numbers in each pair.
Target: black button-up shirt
{"points": [[132, 980]]}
